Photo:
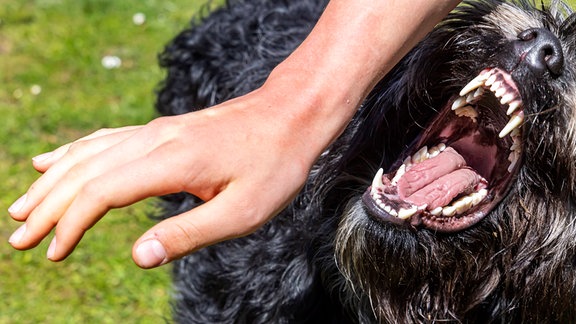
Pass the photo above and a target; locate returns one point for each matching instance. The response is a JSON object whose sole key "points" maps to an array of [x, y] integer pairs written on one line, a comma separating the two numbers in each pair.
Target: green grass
{"points": [[57, 46]]}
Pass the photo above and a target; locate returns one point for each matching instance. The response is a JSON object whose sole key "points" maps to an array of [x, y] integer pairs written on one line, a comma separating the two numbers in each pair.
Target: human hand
{"points": [[243, 158]]}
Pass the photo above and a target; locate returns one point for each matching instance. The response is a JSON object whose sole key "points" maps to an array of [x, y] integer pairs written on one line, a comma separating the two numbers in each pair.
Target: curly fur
{"points": [[323, 259]]}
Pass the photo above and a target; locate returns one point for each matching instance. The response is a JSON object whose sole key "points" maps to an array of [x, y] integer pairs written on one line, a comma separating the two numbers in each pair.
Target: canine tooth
{"points": [[436, 211], [474, 84], [449, 211], [404, 213], [513, 123], [470, 98], [401, 171], [460, 102], [421, 155], [377, 181], [513, 106]]}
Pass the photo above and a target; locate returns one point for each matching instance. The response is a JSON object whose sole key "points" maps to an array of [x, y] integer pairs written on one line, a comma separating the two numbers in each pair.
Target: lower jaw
{"points": [[426, 220]]}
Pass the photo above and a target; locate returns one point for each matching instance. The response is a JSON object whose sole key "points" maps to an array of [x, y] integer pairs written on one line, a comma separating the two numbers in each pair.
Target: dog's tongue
{"points": [[437, 181]]}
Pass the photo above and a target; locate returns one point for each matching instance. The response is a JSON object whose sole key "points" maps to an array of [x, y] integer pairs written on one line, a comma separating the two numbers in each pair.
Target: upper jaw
{"points": [[482, 123]]}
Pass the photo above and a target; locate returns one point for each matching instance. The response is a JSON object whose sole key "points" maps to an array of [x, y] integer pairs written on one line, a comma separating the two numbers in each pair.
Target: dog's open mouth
{"points": [[462, 164]]}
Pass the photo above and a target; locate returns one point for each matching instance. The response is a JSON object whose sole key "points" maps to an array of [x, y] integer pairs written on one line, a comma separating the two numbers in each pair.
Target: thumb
{"points": [[224, 217]]}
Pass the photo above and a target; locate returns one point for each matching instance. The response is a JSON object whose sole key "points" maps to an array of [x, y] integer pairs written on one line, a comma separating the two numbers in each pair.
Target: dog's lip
{"points": [[494, 131]]}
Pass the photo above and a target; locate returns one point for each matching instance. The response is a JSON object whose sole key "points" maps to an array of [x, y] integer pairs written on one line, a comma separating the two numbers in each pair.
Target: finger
{"points": [[44, 161], [46, 214], [120, 187], [77, 152], [225, 217]]}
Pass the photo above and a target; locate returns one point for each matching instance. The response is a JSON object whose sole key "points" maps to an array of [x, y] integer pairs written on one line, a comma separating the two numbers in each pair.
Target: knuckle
{"points": [[92, 191]]}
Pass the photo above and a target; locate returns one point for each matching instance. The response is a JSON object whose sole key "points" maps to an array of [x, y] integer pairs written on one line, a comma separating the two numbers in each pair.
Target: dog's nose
{"points": [[541, 50]]}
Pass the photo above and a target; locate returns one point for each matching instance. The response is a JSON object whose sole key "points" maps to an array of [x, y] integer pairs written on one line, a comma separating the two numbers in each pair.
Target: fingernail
{"points": [[51, 249], [17, 205], [151, 254], [42, 157], [17, 235]]}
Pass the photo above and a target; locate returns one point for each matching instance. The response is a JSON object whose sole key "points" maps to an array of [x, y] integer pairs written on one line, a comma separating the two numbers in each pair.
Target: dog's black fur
{"points": [[326, 258]]}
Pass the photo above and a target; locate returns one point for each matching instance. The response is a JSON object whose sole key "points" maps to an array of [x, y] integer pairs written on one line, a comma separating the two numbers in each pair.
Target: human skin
{"points": [[247, 158]]}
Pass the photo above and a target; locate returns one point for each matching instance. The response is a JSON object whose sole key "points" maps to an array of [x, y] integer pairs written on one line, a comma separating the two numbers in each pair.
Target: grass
{"points": [[54, 90]]}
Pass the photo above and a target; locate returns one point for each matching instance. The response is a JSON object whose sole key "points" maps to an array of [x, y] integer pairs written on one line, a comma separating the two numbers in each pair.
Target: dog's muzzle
{"points": [[464, 160]]}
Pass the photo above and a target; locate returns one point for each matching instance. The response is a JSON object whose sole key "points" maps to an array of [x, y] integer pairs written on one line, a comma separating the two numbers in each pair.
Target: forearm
{"points": [[354, 44]]}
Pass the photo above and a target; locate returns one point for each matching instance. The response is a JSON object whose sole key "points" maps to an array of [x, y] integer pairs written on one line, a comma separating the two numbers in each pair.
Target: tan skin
{"points": [[249, 156]]}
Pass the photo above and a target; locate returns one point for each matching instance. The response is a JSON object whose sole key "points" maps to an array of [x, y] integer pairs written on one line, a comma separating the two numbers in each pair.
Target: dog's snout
{"points": [[541, 50]]}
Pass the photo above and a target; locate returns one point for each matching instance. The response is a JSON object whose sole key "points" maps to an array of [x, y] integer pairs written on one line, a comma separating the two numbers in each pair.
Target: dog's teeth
{"points": [[512, 165], [491, 80], [441, 147], [387, 209], [500, 92], [477, 82], [495, 86], [467, 111], [513, 158], [507, 98], [458, 103], [479, 92], [513, 123], [404, 213], [449, 211], [401, 171], [436, 211], [470, 98], [478, 196], [421, 155], [377, 181], [408, 161], [517, 144], [463, 204], [513, 106], [434, 151]]}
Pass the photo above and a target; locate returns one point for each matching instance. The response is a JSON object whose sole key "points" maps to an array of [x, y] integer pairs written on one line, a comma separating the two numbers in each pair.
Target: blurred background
{"points": [[67, 68]]}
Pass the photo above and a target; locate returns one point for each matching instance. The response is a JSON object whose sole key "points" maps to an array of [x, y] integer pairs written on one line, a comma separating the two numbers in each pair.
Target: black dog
{"points": [[472, 218]]}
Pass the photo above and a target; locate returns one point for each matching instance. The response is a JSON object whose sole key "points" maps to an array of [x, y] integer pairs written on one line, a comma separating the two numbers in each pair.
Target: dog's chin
{"points": [[461, 165]]}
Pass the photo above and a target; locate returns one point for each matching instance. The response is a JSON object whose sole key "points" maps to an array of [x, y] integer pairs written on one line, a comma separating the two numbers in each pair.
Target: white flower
{"points": [[35, 89], [139, 18], [111, 62]]}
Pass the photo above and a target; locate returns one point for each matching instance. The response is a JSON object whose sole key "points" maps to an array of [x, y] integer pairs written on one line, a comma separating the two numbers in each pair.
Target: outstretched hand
{"points": [[247, 158], [239, 157]]}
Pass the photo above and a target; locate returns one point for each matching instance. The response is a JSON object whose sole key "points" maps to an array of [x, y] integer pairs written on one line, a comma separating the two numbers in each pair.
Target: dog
{"points": [[449, 197]]}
